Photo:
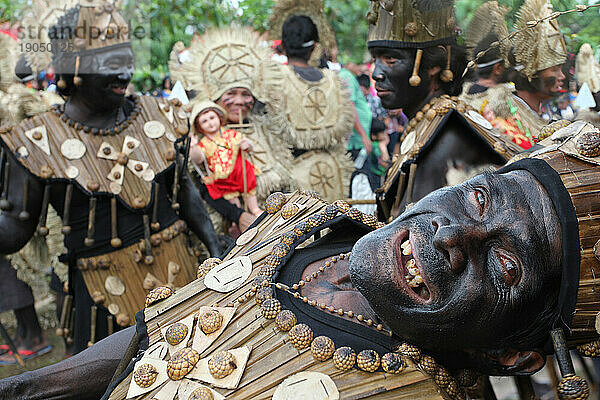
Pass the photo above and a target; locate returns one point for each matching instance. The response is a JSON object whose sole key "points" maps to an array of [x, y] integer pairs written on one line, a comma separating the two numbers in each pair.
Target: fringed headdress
{"points": [[488, 21], [538, 45], [413, 24]]}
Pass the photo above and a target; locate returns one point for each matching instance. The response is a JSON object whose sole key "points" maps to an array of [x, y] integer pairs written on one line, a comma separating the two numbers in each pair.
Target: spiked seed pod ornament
{"points": [[176, 333], [145, 375], [210, 321], [181, 363], [301, 336], [222, 364], [202, 393], [322, 348], [158, 294], [344, 358], [285, 320]]}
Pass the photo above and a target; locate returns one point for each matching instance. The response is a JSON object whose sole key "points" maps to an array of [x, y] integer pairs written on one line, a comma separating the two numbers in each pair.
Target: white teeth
{"points": [[406, 248], [414, 278], [416, 282]]}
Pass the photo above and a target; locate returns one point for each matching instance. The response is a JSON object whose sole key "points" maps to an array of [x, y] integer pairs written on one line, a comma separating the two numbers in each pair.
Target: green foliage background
{"points": [[173, 20]]}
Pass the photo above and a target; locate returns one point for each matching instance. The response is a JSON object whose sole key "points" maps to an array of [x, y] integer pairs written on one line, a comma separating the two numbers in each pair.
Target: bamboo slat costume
{"points": [[319, 113], [269, 330], [116, 190]]}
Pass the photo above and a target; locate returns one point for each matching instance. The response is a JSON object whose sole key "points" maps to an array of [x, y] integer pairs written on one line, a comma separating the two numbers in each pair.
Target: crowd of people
{"points": [[148, 187]]}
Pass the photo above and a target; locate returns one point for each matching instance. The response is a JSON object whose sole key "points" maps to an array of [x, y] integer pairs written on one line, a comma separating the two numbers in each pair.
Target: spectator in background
{"points": [[565, 109], [166, 86], [374, 102], [359, 138]]}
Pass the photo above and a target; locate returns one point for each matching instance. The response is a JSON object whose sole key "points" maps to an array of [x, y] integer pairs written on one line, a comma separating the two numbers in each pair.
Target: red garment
{"points": [[234, 183]]}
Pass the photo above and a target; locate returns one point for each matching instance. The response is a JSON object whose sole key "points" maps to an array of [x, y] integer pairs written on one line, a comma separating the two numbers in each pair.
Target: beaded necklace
{"points": [[322, 347], [59, 110]]}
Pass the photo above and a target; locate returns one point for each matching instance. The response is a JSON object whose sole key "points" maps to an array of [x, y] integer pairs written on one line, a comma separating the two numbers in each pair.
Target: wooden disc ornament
{"points": [[73, 149], [154, 129]]}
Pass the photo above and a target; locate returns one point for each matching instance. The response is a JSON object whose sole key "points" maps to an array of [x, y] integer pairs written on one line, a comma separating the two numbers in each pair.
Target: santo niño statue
{"points": [[112, 167]]}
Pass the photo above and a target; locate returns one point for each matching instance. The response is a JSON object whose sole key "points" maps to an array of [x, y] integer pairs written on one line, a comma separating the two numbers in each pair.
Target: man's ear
{"points": [[521, 362]]}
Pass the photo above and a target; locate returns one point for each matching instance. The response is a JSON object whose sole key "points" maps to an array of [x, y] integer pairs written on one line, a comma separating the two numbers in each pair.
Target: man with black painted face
{"points": [[419, 68], [111, 166]]}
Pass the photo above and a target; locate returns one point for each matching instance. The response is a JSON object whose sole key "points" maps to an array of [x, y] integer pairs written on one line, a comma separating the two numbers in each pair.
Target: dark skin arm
{"points": [[194, 214], [14, 233], [94, 367]]}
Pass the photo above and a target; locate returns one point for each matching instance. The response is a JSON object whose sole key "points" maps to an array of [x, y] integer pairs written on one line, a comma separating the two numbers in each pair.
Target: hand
{"points": [[245, 145], [367, 144], [208, 180]]}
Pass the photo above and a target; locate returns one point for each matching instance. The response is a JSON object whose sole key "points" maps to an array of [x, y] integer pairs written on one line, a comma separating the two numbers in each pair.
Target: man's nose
{"points": [[456, 241], [378, 74], [126, 74]]}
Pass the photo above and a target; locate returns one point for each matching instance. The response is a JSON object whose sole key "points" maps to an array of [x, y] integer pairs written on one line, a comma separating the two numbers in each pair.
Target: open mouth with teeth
{"points": [[411, 270], [118, 88]]}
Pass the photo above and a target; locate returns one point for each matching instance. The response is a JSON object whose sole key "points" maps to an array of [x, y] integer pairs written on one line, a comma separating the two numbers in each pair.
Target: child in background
{"points": [[380, 157], [222, 150]]}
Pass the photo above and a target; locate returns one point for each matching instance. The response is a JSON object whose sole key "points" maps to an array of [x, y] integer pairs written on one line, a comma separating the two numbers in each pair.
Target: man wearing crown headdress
{"points": [[418, 67], [230, 67], [111, 166], [539, 53]]}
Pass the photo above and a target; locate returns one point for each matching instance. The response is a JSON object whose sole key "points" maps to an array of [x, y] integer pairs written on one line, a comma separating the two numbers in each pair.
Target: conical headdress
{"points": [[415, 24], [72, 29], [488, 20], [538, 46], [222, 59]]}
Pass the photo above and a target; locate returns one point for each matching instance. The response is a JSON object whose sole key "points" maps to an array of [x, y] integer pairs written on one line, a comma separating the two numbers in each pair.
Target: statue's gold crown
{"points": [[411, 23]]}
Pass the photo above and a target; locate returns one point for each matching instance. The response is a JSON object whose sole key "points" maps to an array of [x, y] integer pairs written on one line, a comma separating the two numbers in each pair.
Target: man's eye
{"points": [[480, 199], [510, 270]]}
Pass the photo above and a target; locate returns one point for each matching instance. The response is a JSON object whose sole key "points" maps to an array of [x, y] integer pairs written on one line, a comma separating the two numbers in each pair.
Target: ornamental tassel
{"points": [[2, 161], [155, 224], [115, 241], [399, 193], [89, 240], [149, 258], [77, 79], [447, 75], [24, 214], [94, 315], [64, 312], [411, 183], [174, 203], [70, 326], [110, 324], [415, 79], [66, 229], [571, 386], [42, 228], [4, 203]]}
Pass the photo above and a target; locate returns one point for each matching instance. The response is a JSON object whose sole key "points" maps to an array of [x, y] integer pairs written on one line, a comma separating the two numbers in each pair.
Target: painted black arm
{"points": [[14, 232], [81, 377], [192, 211]]}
